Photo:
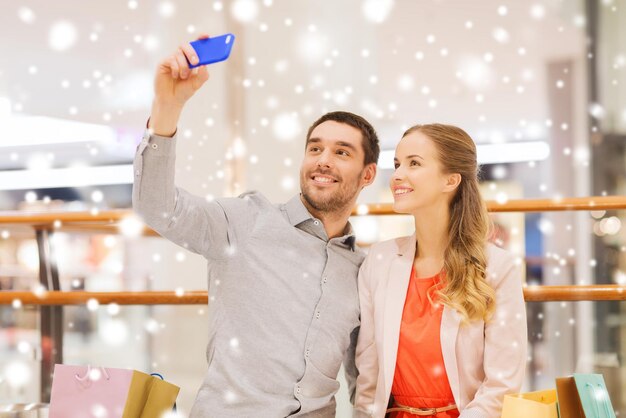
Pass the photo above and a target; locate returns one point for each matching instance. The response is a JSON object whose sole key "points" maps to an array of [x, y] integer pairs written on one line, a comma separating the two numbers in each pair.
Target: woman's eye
{"points": [[396, 165], [413, 163]]}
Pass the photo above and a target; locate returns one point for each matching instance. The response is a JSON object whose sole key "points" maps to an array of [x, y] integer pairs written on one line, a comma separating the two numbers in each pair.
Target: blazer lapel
{"points": [[450, 322], [397, 285]]}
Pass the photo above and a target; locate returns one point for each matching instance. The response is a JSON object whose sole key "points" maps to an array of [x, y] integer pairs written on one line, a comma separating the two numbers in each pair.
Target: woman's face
{"points": [[418, 181]]}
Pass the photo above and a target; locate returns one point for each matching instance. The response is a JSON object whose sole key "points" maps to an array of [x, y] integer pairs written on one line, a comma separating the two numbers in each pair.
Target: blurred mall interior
{"points": [[539, 85]]}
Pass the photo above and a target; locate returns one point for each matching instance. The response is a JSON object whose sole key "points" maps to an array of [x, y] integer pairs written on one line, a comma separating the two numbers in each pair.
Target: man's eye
{"points": [[342, 152]]}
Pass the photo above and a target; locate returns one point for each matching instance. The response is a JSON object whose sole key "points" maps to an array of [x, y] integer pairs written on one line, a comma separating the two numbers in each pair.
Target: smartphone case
{"points": [[213, 50]]}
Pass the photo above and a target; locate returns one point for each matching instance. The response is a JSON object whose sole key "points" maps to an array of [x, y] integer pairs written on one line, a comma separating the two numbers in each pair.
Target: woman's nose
{"points": [[398, 175]]}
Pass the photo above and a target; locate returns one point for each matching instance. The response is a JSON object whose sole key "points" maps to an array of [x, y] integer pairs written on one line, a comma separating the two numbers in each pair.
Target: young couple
{"points": [[432, 324]]}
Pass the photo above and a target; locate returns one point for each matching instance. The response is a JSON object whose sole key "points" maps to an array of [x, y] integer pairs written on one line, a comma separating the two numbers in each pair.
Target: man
{"points": [[283, 310]]}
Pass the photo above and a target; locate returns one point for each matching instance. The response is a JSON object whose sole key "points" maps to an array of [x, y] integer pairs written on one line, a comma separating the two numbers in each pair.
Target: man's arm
{"points": [[349, 365], [174, 84], [185, 219]]}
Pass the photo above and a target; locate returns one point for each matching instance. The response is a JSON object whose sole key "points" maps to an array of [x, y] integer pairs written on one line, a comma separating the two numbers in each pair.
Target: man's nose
{"points": [[324, 159]]}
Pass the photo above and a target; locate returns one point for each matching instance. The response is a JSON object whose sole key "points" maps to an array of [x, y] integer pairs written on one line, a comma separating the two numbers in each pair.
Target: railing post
{"points": [[51, 317]]}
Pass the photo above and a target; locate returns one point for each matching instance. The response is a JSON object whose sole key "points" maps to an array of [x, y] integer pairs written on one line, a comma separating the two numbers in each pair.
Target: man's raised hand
{"points": [[174, 84]]}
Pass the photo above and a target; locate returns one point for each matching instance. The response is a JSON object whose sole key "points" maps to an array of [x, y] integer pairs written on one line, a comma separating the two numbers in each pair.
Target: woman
{"points": [[443, 321]]}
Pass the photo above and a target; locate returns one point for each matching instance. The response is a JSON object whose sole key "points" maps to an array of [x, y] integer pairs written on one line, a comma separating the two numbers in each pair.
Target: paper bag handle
{"points": [[161, 377], [86, 376]]}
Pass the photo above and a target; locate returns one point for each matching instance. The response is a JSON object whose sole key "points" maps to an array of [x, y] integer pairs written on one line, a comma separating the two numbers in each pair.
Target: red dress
{"points": [[420, 379]]}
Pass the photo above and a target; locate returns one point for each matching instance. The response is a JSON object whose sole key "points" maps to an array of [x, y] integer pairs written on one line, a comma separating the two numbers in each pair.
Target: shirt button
{"points": [[155, 146], [307, 352], [317, 315], [298, 390], [316, 222], [325, 279], [137, 172]]}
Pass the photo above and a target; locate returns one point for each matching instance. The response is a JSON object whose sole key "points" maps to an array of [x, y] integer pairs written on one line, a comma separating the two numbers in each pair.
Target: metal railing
{"points": [[52, 300]]}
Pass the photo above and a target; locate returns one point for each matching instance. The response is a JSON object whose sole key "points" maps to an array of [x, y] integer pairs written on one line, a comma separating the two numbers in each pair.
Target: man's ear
{"points": [[452, 182], [369, 174]]}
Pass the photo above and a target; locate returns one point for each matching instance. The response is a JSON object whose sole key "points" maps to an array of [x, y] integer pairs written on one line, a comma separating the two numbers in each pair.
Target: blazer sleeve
{"points": [[187, 220], [505, 343], [366, 358]]}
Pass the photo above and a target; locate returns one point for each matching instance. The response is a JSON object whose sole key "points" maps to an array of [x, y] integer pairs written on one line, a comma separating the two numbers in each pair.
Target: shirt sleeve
{"points": [[349, 365], [193, 222], [504, 357]]}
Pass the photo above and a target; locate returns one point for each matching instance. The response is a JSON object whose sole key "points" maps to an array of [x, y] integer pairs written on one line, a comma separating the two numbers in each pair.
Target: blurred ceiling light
{"points": [[244, 10], [62, 35], [22, 130], [5, 109], [66, 177], [132, 91], [405, 83], [239, 148], [287, 183], [151, 43], [167, 9], [501, 35], [113, 332], [619, 277], [366, 228], [474, 72], [18, 374], [131, 226], [582, 154], [610, 226], [512, 152], [535, 131], [286, 126], [38, 162], [26, 15], [28, 255], [537, 11], [597, 111], [499, 172], [311, 46], [376, 11]]}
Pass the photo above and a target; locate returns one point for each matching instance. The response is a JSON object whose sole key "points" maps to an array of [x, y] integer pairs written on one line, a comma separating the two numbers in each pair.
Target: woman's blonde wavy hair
{"points": [[465, 289]]}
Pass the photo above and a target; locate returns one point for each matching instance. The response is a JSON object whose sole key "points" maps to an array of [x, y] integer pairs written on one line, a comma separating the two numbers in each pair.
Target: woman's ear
{"points": [[452, 182]]}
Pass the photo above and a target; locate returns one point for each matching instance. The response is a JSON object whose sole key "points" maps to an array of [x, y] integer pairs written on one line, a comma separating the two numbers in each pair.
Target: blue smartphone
{"points": [[213, 50]]}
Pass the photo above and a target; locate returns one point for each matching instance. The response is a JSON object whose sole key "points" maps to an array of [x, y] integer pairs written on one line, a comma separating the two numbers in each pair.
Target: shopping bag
{"points": [[583, 396], [541, 404], [86, 392]]}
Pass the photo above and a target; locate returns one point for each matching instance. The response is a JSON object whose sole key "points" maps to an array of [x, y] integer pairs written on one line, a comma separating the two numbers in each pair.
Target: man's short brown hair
{"points": [[369, 139]]}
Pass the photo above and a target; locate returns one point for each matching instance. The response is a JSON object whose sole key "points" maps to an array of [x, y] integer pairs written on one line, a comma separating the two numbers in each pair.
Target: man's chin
{"points": [[320, 201]]}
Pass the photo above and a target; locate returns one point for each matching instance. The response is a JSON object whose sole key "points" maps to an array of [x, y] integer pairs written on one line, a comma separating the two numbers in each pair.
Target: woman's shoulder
{"points": [[500, 261], [390, 247], [498, 254]]}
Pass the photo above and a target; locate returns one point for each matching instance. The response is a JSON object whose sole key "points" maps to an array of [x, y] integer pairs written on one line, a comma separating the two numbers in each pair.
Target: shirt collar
{"points": [[349, 239], [298, 213]]}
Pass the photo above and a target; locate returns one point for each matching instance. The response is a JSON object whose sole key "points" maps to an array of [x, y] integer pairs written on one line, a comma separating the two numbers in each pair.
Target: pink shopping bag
{"points": [[85, 392]]}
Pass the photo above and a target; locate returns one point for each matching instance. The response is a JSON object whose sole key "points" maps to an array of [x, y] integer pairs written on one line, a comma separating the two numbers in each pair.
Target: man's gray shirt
{"points": [[283, 303]]}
